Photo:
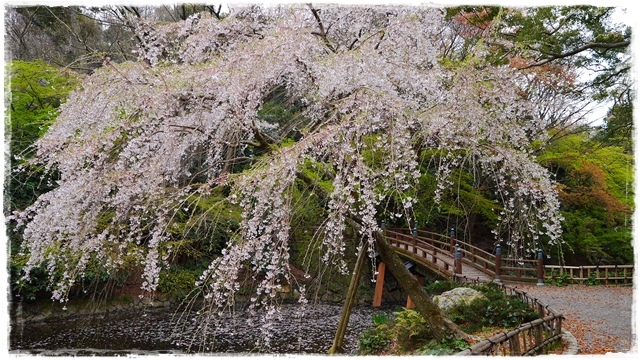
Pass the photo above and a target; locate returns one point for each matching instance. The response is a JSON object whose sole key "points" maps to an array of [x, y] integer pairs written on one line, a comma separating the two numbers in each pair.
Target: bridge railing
{"points": [[433, 250], [445, 245], [519, 270], [532, 338], [478, 258], [441, 249]]}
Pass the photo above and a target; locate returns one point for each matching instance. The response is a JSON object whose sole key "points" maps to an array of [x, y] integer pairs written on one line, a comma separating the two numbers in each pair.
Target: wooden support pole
{"points": [[377, 296], [348, 303]]}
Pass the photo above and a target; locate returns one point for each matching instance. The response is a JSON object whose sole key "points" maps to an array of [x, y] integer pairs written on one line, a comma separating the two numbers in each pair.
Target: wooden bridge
{"points": [[463, 262]]}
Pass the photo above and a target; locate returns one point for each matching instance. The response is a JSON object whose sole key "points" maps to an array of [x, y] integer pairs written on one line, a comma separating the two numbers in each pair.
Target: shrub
{"points": [[438, 287], [558, 279], [496, 309], [373, 341], [177, 282], [448, 346], [408, 330], [380, 318], [592, 279]]}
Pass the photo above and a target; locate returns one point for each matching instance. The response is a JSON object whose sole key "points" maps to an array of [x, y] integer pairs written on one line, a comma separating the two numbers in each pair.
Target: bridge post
{"points": [[458, 261], [540, 268], [415, 235], [452, 238], [498, 262]]}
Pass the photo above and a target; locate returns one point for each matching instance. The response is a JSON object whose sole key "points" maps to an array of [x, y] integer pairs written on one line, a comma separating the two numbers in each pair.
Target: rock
{"points": [[449, 299]]}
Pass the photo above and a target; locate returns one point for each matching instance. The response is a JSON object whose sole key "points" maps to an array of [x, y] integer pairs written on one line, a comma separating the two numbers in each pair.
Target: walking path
{"points": [[601, 318]]}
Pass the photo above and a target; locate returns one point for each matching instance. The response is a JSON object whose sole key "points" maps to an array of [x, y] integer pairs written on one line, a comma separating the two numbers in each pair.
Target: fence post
{"points": [[458, 260], [498, 262], [540, 268]]}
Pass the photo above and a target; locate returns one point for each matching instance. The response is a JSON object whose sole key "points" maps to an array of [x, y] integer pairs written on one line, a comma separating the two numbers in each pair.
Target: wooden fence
{"points": [[532, 338], [591, 275]]}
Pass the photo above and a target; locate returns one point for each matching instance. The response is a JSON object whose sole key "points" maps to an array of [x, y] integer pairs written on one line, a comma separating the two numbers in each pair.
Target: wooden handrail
{"points": [[617, 274], [442, 247], [528, 339]]}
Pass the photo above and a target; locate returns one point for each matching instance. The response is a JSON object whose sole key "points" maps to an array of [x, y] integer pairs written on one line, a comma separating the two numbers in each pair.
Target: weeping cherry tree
{"points": [[142, 139]]}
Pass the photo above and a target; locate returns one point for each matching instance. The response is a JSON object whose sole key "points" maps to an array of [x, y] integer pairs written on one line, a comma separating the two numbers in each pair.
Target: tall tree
{"points": [[575, 57], [63, 36], [143, 140], [597, 198]]}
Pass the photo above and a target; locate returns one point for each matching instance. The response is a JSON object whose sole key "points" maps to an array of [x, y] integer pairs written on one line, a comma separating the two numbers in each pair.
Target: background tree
{"points": [[575, 56], [64, 36], [81, 37], [37, 90], [597, 197]]}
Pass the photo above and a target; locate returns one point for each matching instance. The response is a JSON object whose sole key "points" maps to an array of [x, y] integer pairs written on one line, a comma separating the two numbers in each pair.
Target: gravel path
{"points": [[601, 318]]}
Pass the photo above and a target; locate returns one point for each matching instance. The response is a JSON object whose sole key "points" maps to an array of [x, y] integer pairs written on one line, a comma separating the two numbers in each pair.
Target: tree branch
{"points": [[323, 33], [591, 45]]}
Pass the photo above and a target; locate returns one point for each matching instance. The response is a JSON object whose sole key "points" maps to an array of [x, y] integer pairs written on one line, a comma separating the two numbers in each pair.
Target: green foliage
{"points": [[495, 309], [373, 341], [447, 346], [178, 282], [203, 227], [592, 279], [438, 287], [558, 279], [37, 90], [380, 318], [407, 330], [596, 193], [410, 326]]}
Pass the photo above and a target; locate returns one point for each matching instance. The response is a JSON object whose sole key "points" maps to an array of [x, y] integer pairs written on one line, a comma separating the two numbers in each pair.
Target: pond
{"points": [[154, 332]]}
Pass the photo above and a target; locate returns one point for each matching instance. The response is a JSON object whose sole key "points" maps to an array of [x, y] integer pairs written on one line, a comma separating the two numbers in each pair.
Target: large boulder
{"points": [[449, 299]]}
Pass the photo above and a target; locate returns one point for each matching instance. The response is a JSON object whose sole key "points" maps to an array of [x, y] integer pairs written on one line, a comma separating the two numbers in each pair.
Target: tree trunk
{"points": [[440, 325]]}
